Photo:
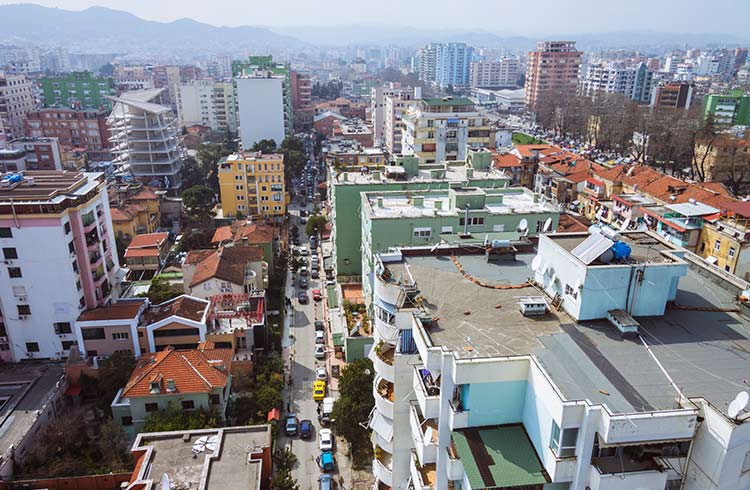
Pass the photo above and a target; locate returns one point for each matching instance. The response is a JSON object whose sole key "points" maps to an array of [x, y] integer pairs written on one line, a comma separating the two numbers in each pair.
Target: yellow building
{"points": [[135, 214], [252, 184], [726, 242]]}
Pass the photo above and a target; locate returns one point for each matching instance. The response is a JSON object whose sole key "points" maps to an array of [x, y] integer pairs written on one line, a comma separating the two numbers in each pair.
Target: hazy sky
{"points": [[512, 16]]}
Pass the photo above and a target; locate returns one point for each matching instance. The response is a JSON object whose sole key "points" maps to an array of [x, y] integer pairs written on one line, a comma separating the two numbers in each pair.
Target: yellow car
{"points": [[319, 390]]}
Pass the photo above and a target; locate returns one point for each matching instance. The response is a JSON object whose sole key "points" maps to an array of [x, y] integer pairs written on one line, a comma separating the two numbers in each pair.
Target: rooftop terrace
{"points": [[455, 172]]}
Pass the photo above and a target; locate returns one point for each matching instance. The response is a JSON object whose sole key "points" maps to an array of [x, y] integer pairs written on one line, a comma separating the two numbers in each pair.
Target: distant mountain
{"points": [[114, 30]]}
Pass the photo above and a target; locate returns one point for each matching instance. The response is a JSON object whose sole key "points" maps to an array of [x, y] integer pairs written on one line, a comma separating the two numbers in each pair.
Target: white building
{"points": [[496, 73], [56, 263], [207, 103], [146, 139], [378, 96], [635, 82], [395, 106], [16, 100], [261, 98], [483, 381]]}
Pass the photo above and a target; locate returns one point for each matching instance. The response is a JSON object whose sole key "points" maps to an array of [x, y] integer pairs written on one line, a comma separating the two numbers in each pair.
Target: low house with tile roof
{"points": [[561, 177], [230, 269], [521, 171], [249, 233], [192, 379], [146, 253], [135, 210], [135, 325]]}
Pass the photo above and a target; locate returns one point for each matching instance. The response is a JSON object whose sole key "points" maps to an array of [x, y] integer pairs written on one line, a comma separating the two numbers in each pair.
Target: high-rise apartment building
{"points": [[437, 130], [446, 64], [495, 73], [730, 108], [16, 101], [146, 139], [395, 107], [552, 71], [79, 90], [45, 288], [674, 95], [81, 129], [252, 184], [302, 105], [378, 116], [262, 98], [635, 82], [207, 103]]}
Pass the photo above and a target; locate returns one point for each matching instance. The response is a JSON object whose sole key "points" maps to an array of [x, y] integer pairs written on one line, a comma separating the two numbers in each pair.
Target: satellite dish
{"points": [[535, 263], [166, 483], [548, 224], [738, 404], [523, 225]]}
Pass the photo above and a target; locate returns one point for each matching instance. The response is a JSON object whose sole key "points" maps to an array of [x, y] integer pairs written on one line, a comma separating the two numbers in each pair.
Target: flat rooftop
{"points": [[645, 247], [223, 465], [46, 186], [707, 353], [453, 173]]}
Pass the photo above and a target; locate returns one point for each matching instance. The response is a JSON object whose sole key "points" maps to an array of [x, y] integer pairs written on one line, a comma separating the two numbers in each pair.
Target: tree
{"points": [[353, 407], [193, 173], [174, 418], [284, 461], [199, 204], [113, 374], [107, 70], [315, 225], [161, 290], [293, 143], [265, 146], [294, 162]]}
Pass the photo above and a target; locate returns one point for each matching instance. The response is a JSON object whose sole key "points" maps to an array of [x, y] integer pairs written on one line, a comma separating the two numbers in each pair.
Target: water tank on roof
{"points": [[621, 250], [500, 244]]}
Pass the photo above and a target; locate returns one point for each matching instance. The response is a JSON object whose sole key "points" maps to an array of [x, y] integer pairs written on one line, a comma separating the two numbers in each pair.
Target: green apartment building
{"points": [[731, 108], [79, 90]]}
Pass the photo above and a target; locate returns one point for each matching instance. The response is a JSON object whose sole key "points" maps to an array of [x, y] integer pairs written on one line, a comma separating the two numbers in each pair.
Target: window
{"points": [[32, 347], [10, 253], [120, 336], [67, 344], [151, 407], [14, 272], [563, 442], [6, 233], [24, 309], [422, 232], [446, 230], [93, 333], [126, 420], [717, 245], [72, 247], [214, 399], [62, 328], [475, 221], [67, 227], [732, 252], [570, 291], [188, 404]]}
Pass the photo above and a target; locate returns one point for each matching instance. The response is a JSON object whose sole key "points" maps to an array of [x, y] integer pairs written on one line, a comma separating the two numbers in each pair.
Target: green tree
{"points": [[113, 374], [199, 204], [284, 461], [294, 162], [193, 173], [174, 418], [353, 407], [161, 290], [315, 225], [107, 70], [265, 146], [293, 143]]}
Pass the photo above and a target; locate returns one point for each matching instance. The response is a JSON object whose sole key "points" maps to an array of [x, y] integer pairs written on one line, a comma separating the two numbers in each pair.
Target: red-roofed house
{"points": [[147, 252], [231, 269], [561, 177], [520, 170], [249, 233], [188, 379]]}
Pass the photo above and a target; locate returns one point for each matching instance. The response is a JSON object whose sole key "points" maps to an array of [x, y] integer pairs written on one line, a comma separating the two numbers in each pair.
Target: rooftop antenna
{"points": [[523, 227], [738, 404]]}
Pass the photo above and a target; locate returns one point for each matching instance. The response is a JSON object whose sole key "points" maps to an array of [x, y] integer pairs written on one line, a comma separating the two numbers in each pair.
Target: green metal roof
{"points": [[448, 102], [499, 456]]}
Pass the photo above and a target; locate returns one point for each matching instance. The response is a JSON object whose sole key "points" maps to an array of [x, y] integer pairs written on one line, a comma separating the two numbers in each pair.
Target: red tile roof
{"points": [[192, 371], [145, 194], [182, 306], [141, 252], [507, 160], [254, 232], [197, 256], [227, 263], [119, 214], [122, 310], [528, 151], [739, 208], [148, 240], [221, 234]]}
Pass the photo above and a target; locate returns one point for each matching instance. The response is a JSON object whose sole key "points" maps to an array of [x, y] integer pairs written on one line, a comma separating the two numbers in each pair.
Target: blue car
{"points": [[305, 429], [327, 463]]}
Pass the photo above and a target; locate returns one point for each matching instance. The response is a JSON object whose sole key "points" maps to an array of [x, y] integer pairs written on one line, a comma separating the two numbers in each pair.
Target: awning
{"points": [[274, 414], [712, 260], [499, 456]]}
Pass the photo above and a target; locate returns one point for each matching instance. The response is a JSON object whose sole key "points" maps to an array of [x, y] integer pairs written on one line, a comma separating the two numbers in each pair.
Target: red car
{"points": [[316, 295]]}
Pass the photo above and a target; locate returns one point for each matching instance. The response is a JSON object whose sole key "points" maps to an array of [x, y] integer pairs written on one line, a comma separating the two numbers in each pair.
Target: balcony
{"points": [[425, 435], [382, 356], [385, 330], [383, 394], [613, 473], [458, 418], [427, 391], [92, 239], [89, 222], [455, 467], [382, 467], [95, 259], [392, 289], [423, 476]]}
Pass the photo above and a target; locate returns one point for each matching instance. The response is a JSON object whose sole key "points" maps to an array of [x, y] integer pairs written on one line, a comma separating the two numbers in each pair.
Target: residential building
{"points": [[520, 166], [722, 158], [324, 122], [533, 390], [395, 107], [45, 288], [252, 184], [195, 379], [146, 140], [168, 78], [212, 459], [729, 108], [446, 64], [635, 82], [302, 99], [81, 129], [40, 154], [561, 177], [504, 72], [261, 98], [352, 130], [135, 209], [77, 90], [230, 269], [725, 242], [438, 130], [16, 101], [350, 109], [673, 95], [207, 103], [351, 155], [552, 71], [146, 253], [378, 97], [249, 233], [503, 99], [345, 187]]}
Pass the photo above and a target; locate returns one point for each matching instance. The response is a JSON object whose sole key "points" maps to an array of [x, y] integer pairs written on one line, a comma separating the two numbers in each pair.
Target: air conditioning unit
{"points": [[22, 299], [8, 262], [22, 317]]}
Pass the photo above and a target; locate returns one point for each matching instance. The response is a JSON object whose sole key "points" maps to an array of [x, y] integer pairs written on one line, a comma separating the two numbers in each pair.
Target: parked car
{"points": [[327, 462], [306, 429], [292, 424], [302, 297], [320, 337], [321, 373], [319, 390], [315, 274], [303, 271], [320, 351], [303, 282], [317, 296], [325, 482], [325, 436], [303, 220], [303, 251], [319, 326]]}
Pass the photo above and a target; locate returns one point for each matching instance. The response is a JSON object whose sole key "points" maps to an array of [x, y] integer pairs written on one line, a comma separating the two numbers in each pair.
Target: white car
{"points": [[320, 337], [326, 439], [321, 374], [320, 351], [303, 251]]}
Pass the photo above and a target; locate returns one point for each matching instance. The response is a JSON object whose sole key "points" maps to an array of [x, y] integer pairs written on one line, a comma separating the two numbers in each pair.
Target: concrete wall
{"points": [[261, 110]]}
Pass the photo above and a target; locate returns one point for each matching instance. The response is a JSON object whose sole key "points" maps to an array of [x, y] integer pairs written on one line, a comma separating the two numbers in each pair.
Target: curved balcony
{"points": [[382, 356], [385, 331], [424, 433], [380, 441], [391, 287], [382, 467], [382, 391], [423, 475]]}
